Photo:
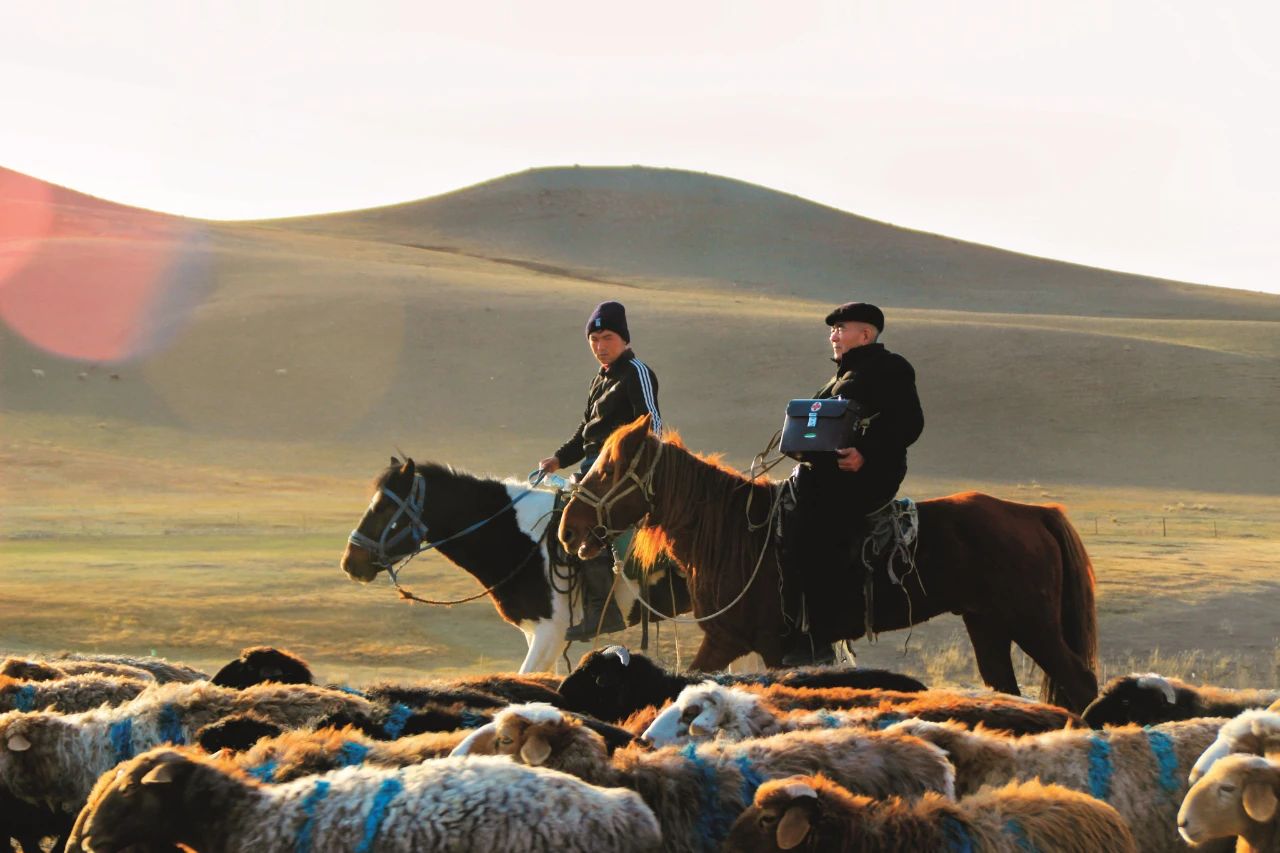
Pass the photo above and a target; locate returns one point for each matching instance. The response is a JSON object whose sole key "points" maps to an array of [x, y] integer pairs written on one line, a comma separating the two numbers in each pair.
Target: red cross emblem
{"points": [[815, 407]]}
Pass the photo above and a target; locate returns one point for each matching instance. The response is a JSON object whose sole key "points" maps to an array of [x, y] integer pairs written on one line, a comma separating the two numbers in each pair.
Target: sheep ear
{"points": [[535, 750], [1260, 801], [161, 774], [17, 743], [793, 827]]}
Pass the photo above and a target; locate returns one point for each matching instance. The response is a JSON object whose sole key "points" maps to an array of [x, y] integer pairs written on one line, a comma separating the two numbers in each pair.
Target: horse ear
{"points": [[408, 467], [395, 463]]}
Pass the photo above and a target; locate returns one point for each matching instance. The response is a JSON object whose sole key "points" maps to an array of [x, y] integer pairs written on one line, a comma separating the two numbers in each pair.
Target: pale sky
{"points": [[1135, 135]]}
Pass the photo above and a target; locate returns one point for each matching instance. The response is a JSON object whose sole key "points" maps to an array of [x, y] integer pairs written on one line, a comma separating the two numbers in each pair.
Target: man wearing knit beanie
{"points": [[623, 389]]}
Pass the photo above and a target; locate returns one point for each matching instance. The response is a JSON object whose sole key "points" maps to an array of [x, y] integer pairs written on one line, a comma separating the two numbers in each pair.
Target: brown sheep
{"points": [[1237, 796], [814, 813], [68, 695]]}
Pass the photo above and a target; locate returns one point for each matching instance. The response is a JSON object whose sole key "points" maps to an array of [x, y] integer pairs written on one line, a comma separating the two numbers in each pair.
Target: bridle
{"points": [[628, 483], [411, 508]]}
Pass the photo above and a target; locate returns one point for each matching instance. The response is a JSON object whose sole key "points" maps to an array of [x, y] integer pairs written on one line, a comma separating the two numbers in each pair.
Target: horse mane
{"points": [[706, 501]]}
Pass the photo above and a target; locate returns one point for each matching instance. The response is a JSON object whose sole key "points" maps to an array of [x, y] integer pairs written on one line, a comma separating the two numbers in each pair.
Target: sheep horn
{"points": [[1156, 682], [799, 789], [621, 651], [464, 748]]}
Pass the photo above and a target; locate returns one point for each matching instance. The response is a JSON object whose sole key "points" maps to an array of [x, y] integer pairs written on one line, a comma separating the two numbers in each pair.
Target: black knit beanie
{"points": [[609, 317]]}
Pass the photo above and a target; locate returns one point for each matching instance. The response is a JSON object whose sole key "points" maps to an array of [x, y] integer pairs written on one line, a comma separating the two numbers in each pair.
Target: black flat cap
{"points": [[857, 312]]}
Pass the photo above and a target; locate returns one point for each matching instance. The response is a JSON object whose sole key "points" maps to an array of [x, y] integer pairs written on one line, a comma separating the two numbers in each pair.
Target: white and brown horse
{"points": [[495, 530]]}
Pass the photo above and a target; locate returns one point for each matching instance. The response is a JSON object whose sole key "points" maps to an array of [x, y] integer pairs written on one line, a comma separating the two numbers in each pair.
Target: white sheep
{"points": [[1237, 796], [1256, 732], [55, 758], [164, 798], [696, 791]]}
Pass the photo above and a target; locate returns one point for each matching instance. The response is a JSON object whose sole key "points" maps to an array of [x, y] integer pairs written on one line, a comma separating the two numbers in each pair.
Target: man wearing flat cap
{"points": [[835, 493], [622, 390]]}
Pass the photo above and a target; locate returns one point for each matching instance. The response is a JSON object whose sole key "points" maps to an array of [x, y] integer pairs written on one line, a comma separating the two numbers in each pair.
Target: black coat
{"points": [[620, 393]]}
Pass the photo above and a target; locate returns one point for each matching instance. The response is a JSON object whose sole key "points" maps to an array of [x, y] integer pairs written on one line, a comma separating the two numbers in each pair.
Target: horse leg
{"points": [[716, 652], [545, 640], [1069, 683], [991, 647]]}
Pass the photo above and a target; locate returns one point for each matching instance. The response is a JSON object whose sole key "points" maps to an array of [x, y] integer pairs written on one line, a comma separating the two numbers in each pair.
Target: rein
{"points": [[412, 507], [603, 504]]}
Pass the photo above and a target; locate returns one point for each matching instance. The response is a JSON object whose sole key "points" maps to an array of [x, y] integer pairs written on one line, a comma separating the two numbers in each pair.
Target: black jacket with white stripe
{"points": [[620, 393]]}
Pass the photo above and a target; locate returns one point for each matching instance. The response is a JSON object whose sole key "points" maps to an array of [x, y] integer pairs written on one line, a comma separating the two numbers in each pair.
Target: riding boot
{"points": [[597, 583]]}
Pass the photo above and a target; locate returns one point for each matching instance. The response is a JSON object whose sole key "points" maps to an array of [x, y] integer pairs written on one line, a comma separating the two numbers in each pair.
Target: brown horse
{"points": [[1016, 573]]}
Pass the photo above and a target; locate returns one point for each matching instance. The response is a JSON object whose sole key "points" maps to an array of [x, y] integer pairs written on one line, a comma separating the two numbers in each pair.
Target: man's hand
{"points": [[849, 459], [549, 465]]}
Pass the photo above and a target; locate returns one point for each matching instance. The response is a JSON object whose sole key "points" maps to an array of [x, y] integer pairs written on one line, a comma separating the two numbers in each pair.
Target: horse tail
{"points": [[1079, 614]]}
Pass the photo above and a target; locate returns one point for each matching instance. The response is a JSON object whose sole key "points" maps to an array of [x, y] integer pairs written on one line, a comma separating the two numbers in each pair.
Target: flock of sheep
{"points": [[110, 754]]}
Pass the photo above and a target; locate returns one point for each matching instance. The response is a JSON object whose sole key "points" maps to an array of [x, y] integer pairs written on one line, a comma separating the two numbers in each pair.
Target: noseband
{"points": [[630, 482]]}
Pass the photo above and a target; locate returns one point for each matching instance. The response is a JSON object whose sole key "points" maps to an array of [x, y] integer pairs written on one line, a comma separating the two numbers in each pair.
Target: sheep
{"points": [[1237, 796], [710, 709], [26, 669], [68, 695], [55, 758], [404, 720], [237, 732], [696, 791], [1141, 772], [294, 754], [814, 813], [1149, 699], [1256, 732], [612, 683], [27, 823], [162, 670], [166, 797], [259, 664]]}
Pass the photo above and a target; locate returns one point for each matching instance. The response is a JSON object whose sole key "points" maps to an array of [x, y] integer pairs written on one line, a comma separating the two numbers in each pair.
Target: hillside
{"points": [[177, 336]]}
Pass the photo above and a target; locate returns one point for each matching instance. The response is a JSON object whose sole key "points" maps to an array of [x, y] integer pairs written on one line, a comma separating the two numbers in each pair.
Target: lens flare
{"points": [[91, 280]]}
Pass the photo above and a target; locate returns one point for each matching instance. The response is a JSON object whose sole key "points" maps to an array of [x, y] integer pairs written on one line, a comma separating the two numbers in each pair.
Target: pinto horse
{"points": [[494, 530], [1016, 573]]}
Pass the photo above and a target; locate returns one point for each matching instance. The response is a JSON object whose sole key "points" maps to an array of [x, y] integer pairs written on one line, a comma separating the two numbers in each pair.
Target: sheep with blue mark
{"points": [[1151, 698], [696, 791], [1254, 732], [813, 813], [55, 758], [39, 669], [164, 671], [712, 710], [69, 695], [613, 683], [1142, 772], [165, 797]]}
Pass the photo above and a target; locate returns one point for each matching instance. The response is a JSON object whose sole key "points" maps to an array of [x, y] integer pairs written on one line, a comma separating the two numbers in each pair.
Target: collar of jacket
{"points": [[627, 355], [852, 357]]}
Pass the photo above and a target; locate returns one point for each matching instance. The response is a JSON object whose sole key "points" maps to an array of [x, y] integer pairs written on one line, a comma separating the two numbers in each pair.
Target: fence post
{"points": [[1164, 528]]}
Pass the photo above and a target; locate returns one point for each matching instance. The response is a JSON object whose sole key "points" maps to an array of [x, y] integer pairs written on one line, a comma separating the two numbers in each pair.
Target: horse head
{"points": [[390, 528], [616, 493]]}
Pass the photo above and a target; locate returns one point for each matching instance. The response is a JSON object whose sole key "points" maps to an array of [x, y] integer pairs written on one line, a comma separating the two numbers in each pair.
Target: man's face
{"points": [[850, 335], [606, 346]]}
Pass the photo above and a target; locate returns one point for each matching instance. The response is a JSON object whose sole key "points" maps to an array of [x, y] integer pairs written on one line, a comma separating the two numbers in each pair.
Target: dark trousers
{"points": [[820, 538]]}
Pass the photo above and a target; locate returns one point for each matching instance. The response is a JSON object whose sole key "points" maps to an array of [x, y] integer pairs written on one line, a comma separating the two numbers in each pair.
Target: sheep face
{"points": [[1141, 699], [138, 810], [1236, 796], [710, 710], [601, 684], [780, 819]]}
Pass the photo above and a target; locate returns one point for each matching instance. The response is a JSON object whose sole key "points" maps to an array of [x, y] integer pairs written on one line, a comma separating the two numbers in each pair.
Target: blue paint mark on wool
{"points": [[266, 771], [1166, 760], [171, 726], [886, 720], [1013, 828], [396, 720], [345, 689], [471, 720], [957, 834], [321, 790], [1100, 768], [387, 792], [713, 825], [25, 700], [828, 720], [751, 779], [121, 735], [352, 753]]}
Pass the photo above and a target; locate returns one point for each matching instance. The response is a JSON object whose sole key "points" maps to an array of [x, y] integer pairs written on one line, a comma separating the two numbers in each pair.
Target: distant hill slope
{"points": [[337, 329], [642, 226]]}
